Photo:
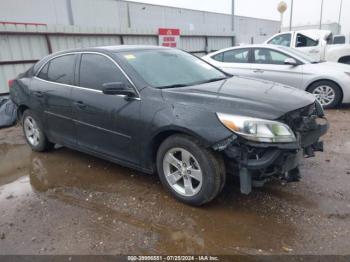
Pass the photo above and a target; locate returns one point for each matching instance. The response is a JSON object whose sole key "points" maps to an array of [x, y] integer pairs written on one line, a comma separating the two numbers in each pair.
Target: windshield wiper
{"points": [[217, 79], [173, 86], [214, 79], [195, 83]]}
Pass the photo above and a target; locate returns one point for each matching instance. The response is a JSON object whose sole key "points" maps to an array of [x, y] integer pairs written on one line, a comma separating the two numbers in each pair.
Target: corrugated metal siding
{"points": [[249, 29], [140, 40], [200, 31], [43, 11], [8, 72], [216, 43], [19, 47], [32, 46], [120, 15], [70, 42], [102, 13], [192, 43]]}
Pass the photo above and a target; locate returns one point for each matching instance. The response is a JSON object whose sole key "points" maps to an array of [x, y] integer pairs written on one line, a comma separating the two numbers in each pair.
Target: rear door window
{"points": [[97, 70], [59, 70]]}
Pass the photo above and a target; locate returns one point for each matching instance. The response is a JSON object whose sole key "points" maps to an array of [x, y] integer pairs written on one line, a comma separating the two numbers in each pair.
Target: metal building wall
{"points": [[117, 14], [254, 30], [22, 45], [83, 23]]}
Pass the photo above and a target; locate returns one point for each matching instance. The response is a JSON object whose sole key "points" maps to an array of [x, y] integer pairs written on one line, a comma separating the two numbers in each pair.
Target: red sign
{"points": [[169, 37]]}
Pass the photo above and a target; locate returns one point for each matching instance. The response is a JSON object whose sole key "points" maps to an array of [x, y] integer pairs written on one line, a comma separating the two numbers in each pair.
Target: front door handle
{"points": [[80, 104], [314, 51], [258, 71]]}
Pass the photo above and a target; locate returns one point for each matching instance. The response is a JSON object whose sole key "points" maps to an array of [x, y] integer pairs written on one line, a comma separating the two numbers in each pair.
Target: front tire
{"points": [[327, 93], [33, 132], [192, 173]]}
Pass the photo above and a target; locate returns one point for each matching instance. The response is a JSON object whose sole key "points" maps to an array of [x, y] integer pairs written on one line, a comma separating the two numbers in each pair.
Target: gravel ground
{"points": [[66, 202]]}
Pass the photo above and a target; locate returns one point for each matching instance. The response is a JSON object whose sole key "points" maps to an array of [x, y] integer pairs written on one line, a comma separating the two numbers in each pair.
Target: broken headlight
{"points": [[256, 129]]}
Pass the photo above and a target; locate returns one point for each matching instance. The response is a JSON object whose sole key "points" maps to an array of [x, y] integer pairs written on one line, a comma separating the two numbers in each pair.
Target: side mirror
{"points": [[291, 61], [117, 88]]}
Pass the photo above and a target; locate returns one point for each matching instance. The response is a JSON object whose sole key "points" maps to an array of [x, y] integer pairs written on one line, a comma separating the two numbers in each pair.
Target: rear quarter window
{"points": [[218, 57]]}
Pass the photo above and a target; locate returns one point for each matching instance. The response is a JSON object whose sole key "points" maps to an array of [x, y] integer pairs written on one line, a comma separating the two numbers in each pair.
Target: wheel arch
{"points": [[159, 137], [344, 59], [20, 110], [329, 80]]}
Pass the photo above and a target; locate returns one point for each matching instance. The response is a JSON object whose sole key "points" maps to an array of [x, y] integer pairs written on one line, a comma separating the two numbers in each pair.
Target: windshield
{"points": [[300, 54], [170, 68]]}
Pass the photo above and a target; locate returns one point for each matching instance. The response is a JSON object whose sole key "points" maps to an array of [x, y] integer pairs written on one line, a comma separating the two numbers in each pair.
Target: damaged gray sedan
{"points": [[162, 110]]}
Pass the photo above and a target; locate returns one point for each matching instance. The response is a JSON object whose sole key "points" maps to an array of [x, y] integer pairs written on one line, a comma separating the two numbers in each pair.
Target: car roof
{"points": [[101, 49], [122, 48], [243, 47], [251, 46], [115, 48], [283, 49]]}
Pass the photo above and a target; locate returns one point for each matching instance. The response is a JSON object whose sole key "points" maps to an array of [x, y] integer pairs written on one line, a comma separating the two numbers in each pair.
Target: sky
{"points": [[305, 11]]}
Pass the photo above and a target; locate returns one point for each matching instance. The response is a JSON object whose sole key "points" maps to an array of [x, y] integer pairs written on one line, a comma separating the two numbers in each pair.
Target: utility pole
{"points": [[291, 16], [321, 14], [340, 10], [233, 16]]}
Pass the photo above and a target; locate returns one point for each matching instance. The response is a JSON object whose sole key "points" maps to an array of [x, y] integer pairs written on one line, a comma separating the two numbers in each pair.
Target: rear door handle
{"points": [[38, 93], [80, 104], [258, 71]]}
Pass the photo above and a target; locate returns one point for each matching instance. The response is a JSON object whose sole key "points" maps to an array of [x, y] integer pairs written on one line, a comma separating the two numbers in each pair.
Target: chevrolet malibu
{"points": [[163, 110]]}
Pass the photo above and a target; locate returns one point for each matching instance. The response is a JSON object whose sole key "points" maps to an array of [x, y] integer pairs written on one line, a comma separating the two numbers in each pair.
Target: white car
{"points": [[319, 44], [330, 82]]}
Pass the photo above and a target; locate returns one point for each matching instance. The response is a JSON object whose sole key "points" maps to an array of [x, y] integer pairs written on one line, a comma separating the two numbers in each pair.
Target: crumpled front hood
{"points": [[241, 96]]}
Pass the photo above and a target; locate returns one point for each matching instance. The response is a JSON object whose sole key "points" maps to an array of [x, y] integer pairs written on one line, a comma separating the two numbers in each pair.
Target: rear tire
{"points": [[33, 132], [193, 174], [327, 92]]}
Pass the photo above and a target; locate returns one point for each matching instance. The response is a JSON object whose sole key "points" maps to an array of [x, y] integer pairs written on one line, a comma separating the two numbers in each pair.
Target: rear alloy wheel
{"points": [[33, 133], [192, 173], [327, 93]]}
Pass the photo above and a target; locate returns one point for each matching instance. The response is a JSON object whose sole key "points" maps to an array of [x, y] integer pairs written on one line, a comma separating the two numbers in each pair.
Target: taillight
{"points": [[11, 82]]}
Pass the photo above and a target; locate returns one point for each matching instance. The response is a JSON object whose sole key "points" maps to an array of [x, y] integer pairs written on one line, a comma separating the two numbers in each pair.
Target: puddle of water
{"points": [[228, 225]]}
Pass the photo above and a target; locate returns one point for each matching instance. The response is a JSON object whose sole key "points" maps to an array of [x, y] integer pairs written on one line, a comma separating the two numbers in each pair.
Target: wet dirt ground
{"points": [[66, 202]]}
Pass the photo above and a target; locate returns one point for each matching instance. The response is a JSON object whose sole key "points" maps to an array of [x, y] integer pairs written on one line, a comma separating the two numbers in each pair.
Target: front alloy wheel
{"points": [[192, 173], [182, 172]]}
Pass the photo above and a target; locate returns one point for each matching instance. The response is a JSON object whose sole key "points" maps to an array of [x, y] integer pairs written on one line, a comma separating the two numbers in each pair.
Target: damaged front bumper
{"points": [[256, 163]]}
